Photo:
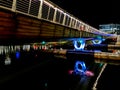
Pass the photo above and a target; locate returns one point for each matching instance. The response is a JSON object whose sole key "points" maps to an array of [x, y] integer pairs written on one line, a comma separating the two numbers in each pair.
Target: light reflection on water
{"points": [[84, 82]]}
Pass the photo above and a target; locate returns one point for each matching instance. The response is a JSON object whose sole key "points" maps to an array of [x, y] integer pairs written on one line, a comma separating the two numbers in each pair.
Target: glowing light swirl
{"points": [[82, 42], [81, 70]]}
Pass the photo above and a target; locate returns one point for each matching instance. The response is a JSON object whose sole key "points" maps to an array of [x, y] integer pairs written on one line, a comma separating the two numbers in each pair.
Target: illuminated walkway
{"points": [[35, 20]]}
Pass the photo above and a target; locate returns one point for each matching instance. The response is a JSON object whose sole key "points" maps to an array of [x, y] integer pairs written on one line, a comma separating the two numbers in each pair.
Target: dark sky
{"points": [[93, 12]]}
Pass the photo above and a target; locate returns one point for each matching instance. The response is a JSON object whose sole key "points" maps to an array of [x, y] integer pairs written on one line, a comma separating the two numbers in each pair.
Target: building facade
{"points": [[110, 28]]}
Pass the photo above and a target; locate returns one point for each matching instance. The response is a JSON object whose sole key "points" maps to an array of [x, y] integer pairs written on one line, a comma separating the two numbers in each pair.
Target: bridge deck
{"points": [[17, 27]]}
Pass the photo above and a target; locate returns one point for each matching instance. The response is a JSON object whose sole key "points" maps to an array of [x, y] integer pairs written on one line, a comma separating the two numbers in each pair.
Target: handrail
{"points": [[45, 9]]}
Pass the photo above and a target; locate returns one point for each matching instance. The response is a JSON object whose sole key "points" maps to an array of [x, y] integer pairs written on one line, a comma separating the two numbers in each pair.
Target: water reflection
{"points": [[22, 56]]}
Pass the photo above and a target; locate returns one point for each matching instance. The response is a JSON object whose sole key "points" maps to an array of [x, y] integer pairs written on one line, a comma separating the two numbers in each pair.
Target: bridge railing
{"points": [[44, 9]]}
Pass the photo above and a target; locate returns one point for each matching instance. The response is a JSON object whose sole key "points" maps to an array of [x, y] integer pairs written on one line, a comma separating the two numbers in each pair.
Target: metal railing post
{"points": [[40, 9], [14, 5]]}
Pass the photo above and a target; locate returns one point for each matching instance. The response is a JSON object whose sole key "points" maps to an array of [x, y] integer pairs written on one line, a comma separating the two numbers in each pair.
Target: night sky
{"points": [[92, 12]]}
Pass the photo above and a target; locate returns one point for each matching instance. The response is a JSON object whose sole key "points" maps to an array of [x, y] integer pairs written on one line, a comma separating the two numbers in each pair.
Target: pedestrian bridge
{"points": [[35, 20]]}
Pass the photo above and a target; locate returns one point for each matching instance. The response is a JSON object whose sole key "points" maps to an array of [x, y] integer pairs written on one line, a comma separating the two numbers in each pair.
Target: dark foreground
{"points": [[38, 71]]}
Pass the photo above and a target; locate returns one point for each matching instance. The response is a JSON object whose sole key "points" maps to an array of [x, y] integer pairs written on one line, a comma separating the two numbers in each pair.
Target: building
{"points": [[110, 28]]}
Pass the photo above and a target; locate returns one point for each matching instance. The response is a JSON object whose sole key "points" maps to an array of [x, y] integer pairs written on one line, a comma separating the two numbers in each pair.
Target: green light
{"points": [[99, 37], [43, 42], [45, 84], [101, 64]]}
